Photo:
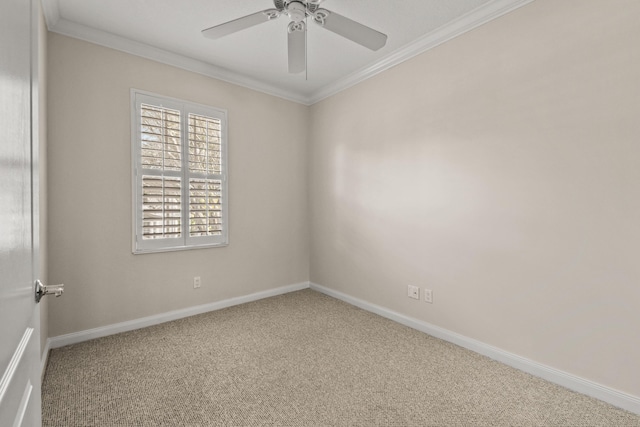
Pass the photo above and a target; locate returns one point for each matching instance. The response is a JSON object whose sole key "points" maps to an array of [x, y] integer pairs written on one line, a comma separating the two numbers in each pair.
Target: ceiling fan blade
{"points": [[352, 30], [297, 51], [237, 24]]}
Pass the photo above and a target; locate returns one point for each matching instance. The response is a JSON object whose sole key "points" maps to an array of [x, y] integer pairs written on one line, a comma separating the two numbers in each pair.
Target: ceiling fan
{"points": [[298, 11]]}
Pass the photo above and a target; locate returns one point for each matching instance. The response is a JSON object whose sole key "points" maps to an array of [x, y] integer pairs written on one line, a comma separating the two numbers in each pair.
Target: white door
{"points": [[19, 314]]}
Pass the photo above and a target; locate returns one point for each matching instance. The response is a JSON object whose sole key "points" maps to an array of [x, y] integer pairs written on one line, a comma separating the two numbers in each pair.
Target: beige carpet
{"points": [[301, 359]]}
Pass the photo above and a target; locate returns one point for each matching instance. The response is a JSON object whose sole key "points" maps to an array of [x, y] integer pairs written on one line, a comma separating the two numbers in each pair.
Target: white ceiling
{"points": [[169, 31]]}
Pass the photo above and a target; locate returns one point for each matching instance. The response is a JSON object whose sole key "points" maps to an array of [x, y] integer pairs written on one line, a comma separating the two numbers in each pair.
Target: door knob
{"points": [[42, 290]]}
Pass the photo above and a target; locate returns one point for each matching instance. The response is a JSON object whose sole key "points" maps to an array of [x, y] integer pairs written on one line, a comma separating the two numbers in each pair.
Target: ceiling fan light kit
{"points": [[298, 11]]}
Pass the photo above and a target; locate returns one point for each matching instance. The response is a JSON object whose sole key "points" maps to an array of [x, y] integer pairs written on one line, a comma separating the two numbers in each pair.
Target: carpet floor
{"points": [[300, 359]]}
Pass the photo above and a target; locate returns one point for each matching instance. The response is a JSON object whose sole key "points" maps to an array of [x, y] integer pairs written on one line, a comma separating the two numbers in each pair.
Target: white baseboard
{"points": [[617, 398], [103, 331], [44, 358]]}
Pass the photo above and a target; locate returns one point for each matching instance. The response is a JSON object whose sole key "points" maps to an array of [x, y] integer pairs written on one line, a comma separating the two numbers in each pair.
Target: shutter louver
{"points": [[205, 159], [160, 137], [161, 154], [205, 207], [161, 207], [205, 146]]}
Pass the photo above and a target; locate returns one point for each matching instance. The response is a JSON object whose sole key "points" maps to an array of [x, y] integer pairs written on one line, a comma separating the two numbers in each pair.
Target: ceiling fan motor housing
{"points": [[297, 11]]}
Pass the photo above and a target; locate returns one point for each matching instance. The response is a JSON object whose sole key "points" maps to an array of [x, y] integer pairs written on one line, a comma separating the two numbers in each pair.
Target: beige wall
{"points": [[502, 171], [90, 192]]}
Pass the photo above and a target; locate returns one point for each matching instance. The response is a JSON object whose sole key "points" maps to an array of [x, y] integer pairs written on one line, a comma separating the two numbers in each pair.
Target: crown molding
{"points": [[103, 38], [467, 22], [455, 28]]}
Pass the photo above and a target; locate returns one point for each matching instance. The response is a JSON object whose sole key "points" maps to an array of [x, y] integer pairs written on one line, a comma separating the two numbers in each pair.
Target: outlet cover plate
{"points": [[428, 296], [413, 292]]}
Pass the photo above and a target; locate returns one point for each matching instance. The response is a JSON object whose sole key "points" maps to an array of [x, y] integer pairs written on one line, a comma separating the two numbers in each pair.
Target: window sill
{"points": [[178, 248]]}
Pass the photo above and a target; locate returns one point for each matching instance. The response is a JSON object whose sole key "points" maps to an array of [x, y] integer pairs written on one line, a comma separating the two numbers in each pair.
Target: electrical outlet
{"points": [[428, 296], [196, 282], [413, 292]]}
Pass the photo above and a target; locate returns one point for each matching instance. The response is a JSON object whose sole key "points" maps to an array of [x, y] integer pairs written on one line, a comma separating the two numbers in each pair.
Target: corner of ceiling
{"points": [[51, 10], [465, 23]]}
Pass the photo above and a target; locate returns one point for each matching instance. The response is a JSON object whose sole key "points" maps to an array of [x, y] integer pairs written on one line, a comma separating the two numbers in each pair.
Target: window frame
{"points": [[185, 241]]}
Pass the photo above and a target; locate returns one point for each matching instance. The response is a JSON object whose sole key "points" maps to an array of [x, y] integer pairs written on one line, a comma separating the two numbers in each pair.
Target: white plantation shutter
{"points": [[205, 166], [161, 207], [161, 145], [180, 182], [205, 207], [205, 145]]}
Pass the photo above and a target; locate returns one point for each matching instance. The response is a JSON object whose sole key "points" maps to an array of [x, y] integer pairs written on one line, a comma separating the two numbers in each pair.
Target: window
{"points": [[179, 174]]}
